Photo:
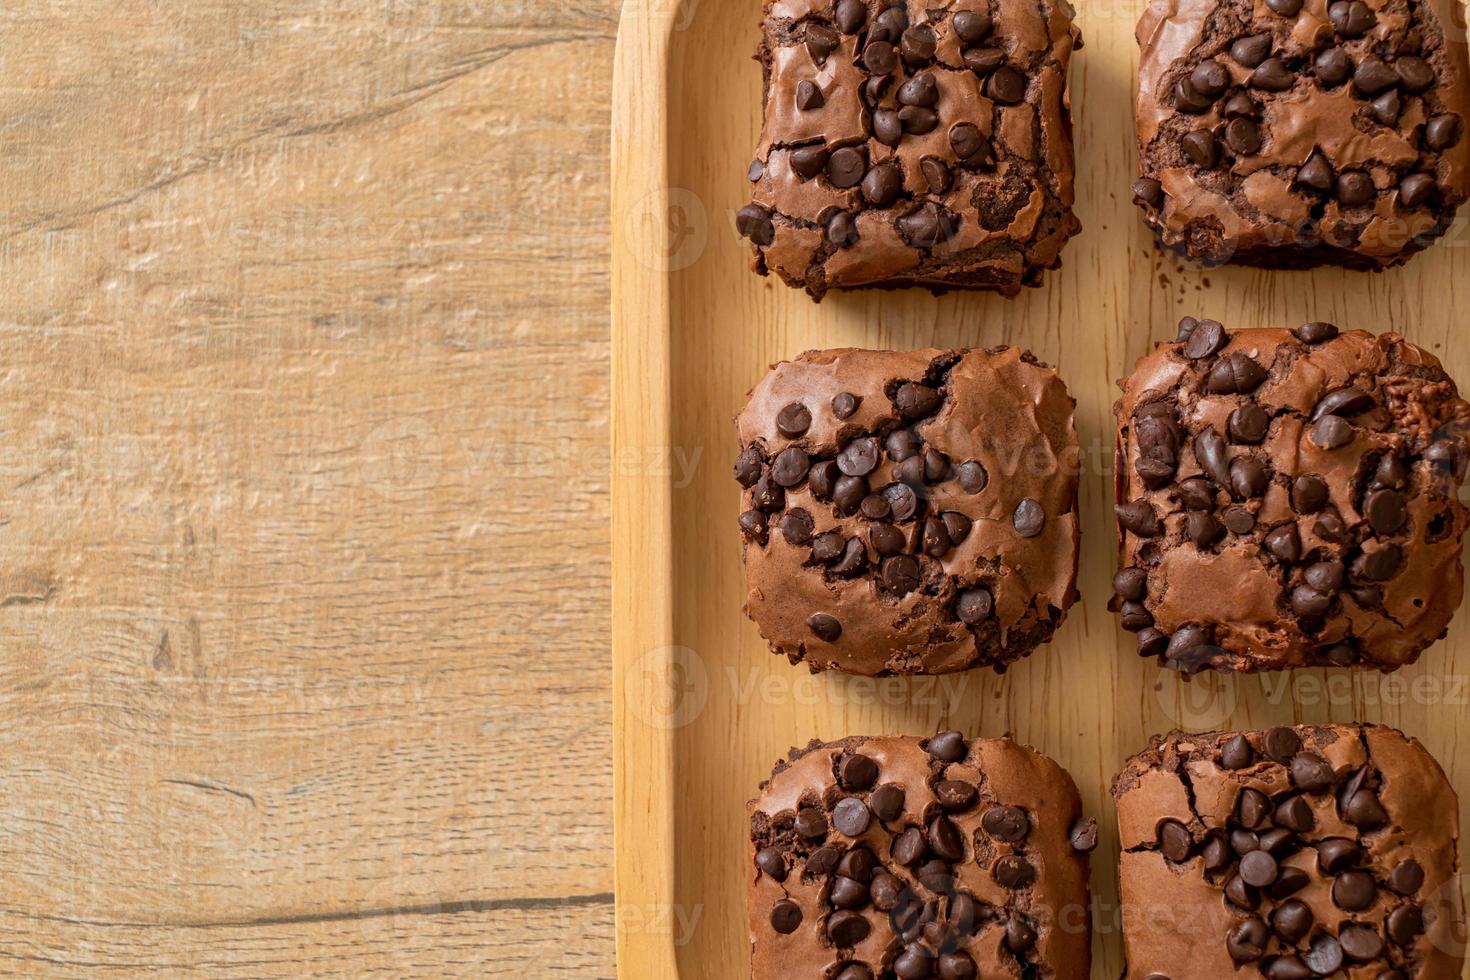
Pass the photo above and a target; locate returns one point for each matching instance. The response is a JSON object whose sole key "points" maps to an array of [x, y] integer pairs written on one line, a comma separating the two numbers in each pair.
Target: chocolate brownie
{"points": [[908, 513], [1315, 851], [899, 858], [913, 144], [1288, 499], [1295, 133]]}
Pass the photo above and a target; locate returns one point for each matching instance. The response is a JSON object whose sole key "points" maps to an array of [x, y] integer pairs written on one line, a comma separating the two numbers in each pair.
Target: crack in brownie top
{"points": [[913, 144], [901, 859], [908, 512], [1295, 133], [1289, 853], [1287, 499]]}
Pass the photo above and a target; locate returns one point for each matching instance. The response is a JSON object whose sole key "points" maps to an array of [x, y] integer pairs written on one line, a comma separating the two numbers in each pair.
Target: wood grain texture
{"points": [[303, 429], [703, 709]]}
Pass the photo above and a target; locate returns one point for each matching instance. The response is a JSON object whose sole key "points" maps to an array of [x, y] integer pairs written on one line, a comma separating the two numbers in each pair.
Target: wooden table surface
{"points": [[303, 448]]}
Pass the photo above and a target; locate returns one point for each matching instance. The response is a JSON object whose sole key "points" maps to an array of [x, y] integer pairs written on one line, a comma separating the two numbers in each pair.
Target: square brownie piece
{"points": [[913, 144], [1314, 851], [884, 858], [1289, 499], [908, 513], [1295, 133]]}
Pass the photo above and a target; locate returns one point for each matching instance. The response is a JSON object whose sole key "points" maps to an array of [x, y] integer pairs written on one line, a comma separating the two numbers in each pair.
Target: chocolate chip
{"points": [[921, 90], [918, 45], [885, 891], [747, 466], [1211, 454], [1442, 131], [824, 627], [1415, 73], [1252, 807], [915, 401], [1174, 841], [1138, 517], [886, 801], [790, 466], [1272, 75], [1373, 75], [756, 171], [1246, 942], [971, 26], [849, 493], [1309, 603], [887, 127], [1285, 8], [793, 420], [1083, 835], [912, 964], [785, 916], [1292, 920], [1200, 146], [827, 547], [1153, 643], [886, 539], [1360, 943], [1148, 192], [959, 965], [954, 794], [851, 817], [771, 863], [1209, 78], [808, 161], [847, 928], [1405, 924], [811, 823], [1237, 753], [809, 96], [1379, 565], [1007, 823], [1386, 511], [908, 848], [927, 225], [1006, 86], [1251, 51], [1236, 374], [1288, 882], [1013, 872], [1353, 891], [1258, 869], [1407, 877], [1188, 100], [882, 185], [1294, 813], [1355, 188], [1131, 584], [1308, 494], [797, 526], [1415, 190], [1325, 576], [1388, 107], [917, 120], [967, 142], [1310, 772], [956, 525], [846, 167], [1317, 174], [1241, 895], [853, 560], [753, 523], [754, 222], [1364, 811], [1216, 855], [1351, 18], [935, 538], [1196, 494], [1331, 432], [1029, 518], [879, 57], [841, 231], [947, 746], [1243, 136], [890, 23], [1316, 332], [974, 606], [972, 476], [1286, 968], [1207, 337], [851, 15], [1281, 744], [902, 499], [936, 175], [1202, 528], [983, 61], [945, 839], [900, 574], [1249, 423]]}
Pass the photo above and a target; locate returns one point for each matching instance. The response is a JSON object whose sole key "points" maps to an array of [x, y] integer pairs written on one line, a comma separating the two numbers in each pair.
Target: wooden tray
{"points": [[703, 710]]}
